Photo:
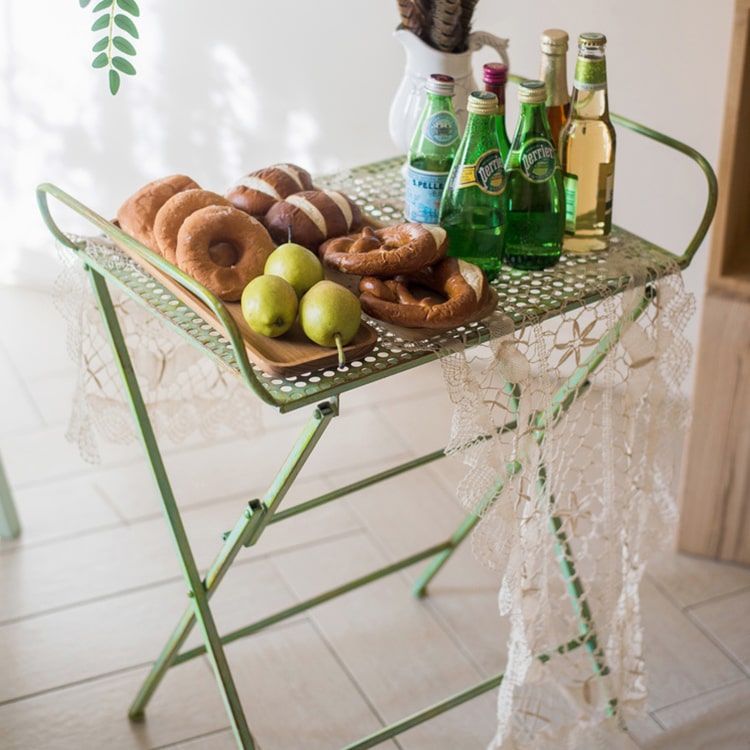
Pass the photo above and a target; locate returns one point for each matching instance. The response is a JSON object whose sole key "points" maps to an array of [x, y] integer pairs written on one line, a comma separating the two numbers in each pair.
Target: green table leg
{"points": [[10, 526], [196, 591]]}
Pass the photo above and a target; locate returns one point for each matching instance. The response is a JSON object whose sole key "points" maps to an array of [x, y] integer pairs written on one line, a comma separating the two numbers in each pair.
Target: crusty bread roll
{"points": [[312, 216], [137, 214], [257, 191]]}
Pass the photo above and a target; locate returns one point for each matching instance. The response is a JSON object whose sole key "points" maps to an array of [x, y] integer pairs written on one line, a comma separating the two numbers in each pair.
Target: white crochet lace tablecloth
{"points": [[603, 474]]}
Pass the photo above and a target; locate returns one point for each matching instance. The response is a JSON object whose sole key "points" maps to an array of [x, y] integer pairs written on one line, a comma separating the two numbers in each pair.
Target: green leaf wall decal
{"points": [[105, 46]]}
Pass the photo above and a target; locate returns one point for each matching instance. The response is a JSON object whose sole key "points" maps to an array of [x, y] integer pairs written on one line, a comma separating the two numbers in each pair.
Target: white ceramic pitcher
{"points": [[423, 60]]}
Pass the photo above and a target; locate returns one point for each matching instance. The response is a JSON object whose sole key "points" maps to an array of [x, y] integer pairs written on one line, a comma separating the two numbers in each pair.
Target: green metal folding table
{"points": [[378, 189]]}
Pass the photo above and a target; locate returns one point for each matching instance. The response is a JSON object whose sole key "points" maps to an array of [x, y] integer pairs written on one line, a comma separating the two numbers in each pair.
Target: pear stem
{"points": [[340, 349]]}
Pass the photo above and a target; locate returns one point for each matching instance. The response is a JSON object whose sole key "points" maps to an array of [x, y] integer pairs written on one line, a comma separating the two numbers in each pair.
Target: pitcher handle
{"points": [[479, 39]]}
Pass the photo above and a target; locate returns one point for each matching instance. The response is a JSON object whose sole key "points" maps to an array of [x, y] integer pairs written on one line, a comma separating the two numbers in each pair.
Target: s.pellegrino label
{"points": [[486, 173], [441, 128], [424, 190]]}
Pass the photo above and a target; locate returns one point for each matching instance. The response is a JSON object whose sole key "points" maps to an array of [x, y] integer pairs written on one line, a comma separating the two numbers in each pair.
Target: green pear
{"points": [[269, 305], [295, 263], [330, 314]]}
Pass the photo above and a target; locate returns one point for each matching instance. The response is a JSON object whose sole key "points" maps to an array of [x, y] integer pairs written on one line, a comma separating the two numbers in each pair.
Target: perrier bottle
{"points": [[431, 153], [474, 204], [536, 200], [587, 152]]}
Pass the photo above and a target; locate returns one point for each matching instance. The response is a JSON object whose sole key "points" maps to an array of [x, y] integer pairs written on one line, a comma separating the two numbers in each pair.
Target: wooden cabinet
{"points": [[715, 482]]}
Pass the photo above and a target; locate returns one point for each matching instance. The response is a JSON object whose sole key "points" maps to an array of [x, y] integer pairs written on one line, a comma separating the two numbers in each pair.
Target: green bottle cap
{"points": [[482, 103], [592, 39], [532, 92]]}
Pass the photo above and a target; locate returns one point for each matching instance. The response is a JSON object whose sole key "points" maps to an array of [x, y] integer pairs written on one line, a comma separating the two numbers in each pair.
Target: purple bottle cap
{"points": [[495, 73]]}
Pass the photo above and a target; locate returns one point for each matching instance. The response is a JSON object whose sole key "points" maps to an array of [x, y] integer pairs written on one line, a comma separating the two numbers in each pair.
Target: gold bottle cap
{"points": [[532, 92], [554, 42], [482, 103]]}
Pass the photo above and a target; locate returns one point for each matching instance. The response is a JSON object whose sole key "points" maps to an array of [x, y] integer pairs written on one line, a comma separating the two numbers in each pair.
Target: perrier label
{"points": [[486, 173]]}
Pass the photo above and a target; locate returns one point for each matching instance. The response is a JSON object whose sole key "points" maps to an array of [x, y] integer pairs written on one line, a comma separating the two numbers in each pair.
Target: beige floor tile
{"points": [[413, 512], [727, 620], [718, 719], [93, 714], [297, 693], [409, 661], [91, 640], [73, 570], [52, 394], [16, 403], [216, 741], [46, 455], [669, 638], [690, 580], [41, 340], [70, 507]]}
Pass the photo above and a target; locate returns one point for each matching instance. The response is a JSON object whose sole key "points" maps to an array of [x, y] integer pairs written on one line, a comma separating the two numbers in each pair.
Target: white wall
{"points": [[225, 87]]}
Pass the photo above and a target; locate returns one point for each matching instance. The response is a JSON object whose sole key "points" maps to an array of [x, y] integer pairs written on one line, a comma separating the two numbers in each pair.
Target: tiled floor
{"points": [[91, 588]]}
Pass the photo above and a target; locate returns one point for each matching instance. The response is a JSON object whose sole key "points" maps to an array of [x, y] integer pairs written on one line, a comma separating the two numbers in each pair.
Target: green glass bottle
{"points": [[494, 77], [536, 198], [431, 152], [473, 208]]}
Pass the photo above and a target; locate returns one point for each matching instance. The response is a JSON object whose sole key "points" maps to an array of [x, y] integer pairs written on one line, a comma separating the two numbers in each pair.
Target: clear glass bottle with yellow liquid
{"points": [[587, 152]]}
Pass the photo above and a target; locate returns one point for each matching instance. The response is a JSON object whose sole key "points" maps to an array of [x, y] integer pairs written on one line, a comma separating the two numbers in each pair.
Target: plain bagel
{"points": [[223, 248], [172, 214]]}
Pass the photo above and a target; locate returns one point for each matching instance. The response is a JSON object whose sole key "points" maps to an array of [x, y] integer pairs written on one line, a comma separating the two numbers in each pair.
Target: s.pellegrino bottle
{"points": [[431, 153], [494, 77], [587, 152], [473, 208], [536, 199], [553, 70]]}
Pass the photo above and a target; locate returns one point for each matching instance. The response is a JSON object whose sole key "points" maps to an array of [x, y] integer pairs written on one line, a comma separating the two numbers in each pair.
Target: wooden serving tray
{"points": [[290, 354]]}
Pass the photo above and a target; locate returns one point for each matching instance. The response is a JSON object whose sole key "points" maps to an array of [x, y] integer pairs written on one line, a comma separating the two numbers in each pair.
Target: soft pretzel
{"points": [[223, 248], [386, 252], [137, 214], [257, 191], [409, 300], [170, 216]]}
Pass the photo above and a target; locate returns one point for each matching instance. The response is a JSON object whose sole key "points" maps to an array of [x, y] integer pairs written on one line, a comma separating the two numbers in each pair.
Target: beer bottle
{"points": [[494, 77], [536, 200], [553, 70], [473, 207], [587, 152], [431, 153]]}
